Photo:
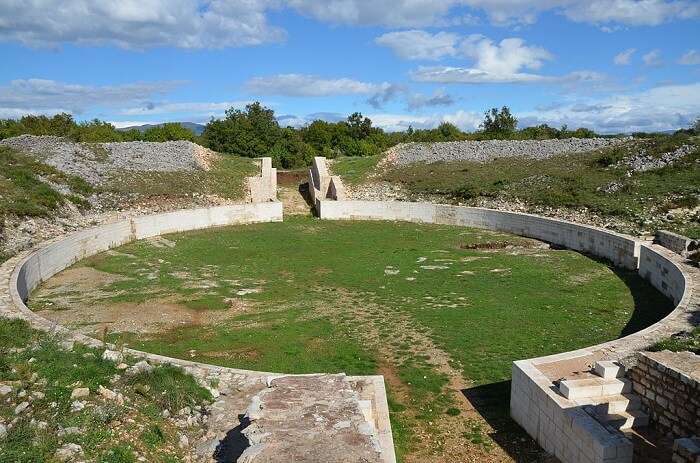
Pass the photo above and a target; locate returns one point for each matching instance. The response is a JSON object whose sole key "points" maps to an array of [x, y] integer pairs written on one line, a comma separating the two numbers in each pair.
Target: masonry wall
{"points": [[55, 257], [560, 426], [621, 250], [670, 390]]}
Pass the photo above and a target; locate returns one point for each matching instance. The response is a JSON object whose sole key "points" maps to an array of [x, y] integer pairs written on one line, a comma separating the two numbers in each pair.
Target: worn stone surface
{"points": [[300, 418]]}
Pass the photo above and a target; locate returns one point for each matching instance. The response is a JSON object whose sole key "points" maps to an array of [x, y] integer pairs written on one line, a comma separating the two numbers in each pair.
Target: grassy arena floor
{"points": [[441, 311]]}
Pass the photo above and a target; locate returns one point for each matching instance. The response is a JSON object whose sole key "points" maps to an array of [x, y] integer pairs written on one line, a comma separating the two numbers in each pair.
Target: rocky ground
{"points": [[487, 150], [98, 164], [94, 162]]}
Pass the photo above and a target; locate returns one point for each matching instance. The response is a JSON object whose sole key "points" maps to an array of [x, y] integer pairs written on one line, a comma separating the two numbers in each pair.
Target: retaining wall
{"points": [[559, 425], [27, 273], [669, 386], [263, 187]]}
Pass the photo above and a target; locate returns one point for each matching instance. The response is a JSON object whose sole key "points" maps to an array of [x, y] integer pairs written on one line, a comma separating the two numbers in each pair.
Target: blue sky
{"points": [[611, 65]]}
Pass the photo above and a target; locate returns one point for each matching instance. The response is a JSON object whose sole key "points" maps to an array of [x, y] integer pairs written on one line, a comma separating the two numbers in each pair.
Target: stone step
{"points": [[616, 403], [624, 420], [593, 387], [608, 369]]}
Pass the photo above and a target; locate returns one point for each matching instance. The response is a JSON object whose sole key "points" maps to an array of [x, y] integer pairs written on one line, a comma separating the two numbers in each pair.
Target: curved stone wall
{"points": [[560, 425]]}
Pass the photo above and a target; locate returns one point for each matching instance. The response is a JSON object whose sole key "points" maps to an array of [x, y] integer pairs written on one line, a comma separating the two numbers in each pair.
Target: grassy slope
{"points": [[354, 170], [319, 322], [572, 181], [24, 189], [35, 363], [25, 184]]}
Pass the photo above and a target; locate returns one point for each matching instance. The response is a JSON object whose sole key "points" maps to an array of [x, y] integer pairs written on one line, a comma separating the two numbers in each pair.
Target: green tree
{"points": [[499, 123], [168, 132], [360, 126], [250, 133]]}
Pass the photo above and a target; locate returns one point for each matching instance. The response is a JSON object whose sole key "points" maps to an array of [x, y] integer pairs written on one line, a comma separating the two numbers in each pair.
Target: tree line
{"points": [[255, 132]]}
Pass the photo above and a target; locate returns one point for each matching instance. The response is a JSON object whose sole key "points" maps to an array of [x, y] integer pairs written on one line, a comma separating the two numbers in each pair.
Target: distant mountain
{"points": [[196, 128]]}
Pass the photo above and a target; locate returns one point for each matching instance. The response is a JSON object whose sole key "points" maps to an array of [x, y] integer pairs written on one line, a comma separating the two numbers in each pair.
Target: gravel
{"points": [[642, 161], [487, 150], [94, 162]]}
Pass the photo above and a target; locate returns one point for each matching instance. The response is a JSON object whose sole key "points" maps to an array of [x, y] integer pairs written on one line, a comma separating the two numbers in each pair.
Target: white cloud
{"points": [[460, 75], [138, 23], [122, 124], [623, 58], [198, 108], [305, 85], [504, 62], [660, 108], [390, 13], [438, 98], [652, 59], [631, 12], [420, 45], [465, 120], [507, 57], [41, 96], [691, 57], [626, 12]]}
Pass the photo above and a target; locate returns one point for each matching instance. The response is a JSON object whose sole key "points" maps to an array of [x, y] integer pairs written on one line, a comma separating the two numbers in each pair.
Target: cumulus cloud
{"points": [[661, 108], [438, 98], [420, 45], [304, 85], [652, 59], [42, 96], [139, 23], [623, 58], [691, 57], [390, 13], [507, 61], [625, 12]]}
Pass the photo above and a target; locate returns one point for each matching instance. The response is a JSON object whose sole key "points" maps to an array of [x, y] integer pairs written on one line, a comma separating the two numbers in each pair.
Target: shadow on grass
{"points": [[492, 401], [650, 305]]}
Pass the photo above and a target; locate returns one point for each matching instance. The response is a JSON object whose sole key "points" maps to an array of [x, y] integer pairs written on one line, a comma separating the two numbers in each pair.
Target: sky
{"points": [[609, 65]]}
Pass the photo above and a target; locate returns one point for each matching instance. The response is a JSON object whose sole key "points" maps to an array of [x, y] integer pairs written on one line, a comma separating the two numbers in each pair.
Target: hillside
{"points": [[50, 185], [632, 185]]}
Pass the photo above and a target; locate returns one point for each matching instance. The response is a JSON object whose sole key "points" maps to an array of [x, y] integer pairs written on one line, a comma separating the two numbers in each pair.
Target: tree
{"points": [[499, 123], [167, 132], [360, 127], [250, 133], [696, 126]]}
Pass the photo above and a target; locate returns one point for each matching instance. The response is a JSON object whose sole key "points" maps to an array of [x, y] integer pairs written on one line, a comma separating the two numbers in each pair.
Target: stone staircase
{"points": [[607, 396]]}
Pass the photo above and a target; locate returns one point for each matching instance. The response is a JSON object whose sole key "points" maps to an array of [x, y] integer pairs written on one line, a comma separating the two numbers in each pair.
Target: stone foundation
{"points": [[669, 385]]}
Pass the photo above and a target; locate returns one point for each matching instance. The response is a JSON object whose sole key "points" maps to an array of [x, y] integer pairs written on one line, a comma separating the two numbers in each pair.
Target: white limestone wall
{"points": [[263, 188], [57, 256], [560, 426], [621, 250]]}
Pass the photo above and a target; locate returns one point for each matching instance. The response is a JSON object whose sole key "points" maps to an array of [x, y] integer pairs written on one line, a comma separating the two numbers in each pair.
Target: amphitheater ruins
{"points": [[574, 404]]}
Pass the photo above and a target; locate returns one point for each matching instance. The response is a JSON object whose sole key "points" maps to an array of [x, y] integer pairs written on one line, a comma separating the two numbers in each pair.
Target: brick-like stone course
{"points": [[686, 450], [669, 386]]}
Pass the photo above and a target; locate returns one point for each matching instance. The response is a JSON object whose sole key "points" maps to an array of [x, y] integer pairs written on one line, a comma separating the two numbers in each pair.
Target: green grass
{"points": [[24, 190], [35, 362], [224, 179], [571, 181], [349, 296], [354, 169], [688, 342]]}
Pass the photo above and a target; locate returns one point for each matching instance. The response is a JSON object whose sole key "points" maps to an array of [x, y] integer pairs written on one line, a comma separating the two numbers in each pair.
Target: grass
{"points": [[685, 342], [568, 181], [25, 189], [354, 169], [36, 363], [361, 297], [224, 179]]}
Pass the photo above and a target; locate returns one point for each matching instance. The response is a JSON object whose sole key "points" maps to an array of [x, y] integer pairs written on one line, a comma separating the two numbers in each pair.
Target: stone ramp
{"points": [[311, 419]]}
